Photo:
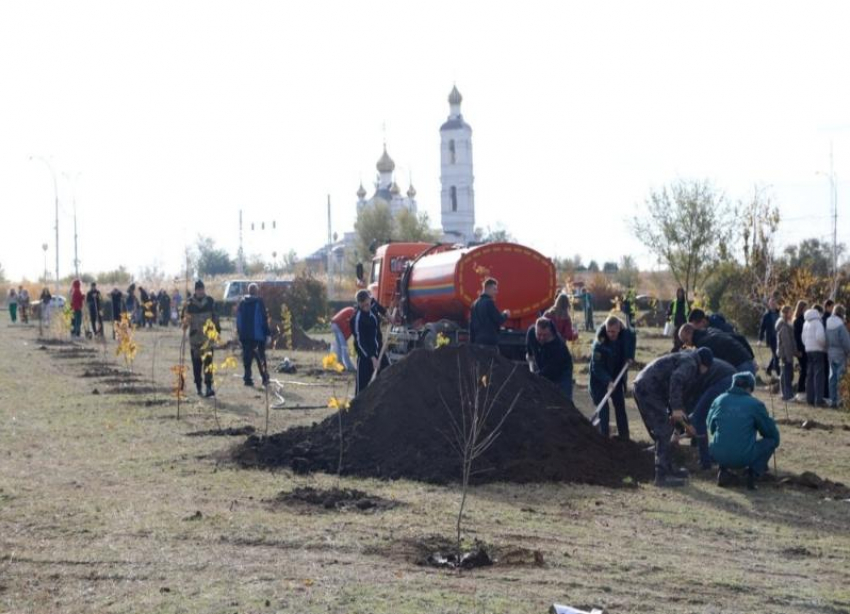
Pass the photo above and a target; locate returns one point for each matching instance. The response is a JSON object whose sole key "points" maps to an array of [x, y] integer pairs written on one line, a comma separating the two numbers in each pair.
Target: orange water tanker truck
{"points": [[429, 289]]}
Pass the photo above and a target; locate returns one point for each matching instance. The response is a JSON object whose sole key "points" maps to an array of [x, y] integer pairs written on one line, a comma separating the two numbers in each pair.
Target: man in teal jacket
{"points": [[733, 421]]}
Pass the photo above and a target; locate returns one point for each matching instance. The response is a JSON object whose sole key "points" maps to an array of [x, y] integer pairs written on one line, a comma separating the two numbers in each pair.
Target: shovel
{"points": [[594, 419]]}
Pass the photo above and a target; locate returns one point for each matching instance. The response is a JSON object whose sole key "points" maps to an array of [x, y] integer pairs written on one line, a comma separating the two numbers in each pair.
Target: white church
{"points": [[457, 196]]}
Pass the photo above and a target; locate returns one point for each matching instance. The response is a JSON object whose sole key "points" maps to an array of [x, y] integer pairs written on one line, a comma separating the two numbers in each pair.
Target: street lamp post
{"points": [[74, 201], [56, 202], [833, 198], [44, 247]]}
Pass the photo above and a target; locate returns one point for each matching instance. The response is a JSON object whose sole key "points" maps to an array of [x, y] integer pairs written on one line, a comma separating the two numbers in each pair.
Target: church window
{"points": [[452, 155], [454, 198]]}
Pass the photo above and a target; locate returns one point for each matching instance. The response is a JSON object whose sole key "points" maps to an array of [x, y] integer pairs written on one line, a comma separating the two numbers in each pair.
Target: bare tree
{"points": [[469, 434], [689, 227]]}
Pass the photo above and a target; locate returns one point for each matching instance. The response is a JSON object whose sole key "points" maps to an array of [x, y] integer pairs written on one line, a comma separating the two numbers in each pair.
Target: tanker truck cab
{"points": [[428, 290]]}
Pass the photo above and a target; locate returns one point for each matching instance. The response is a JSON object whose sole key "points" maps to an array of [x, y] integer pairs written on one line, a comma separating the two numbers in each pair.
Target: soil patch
{"points": [[56, 342], [132, 388], [96, 369], [440, 551], [806, 425], [151, 402], [335, 499], [75, 352], [228, 432], [398, 428], [809, 480]]}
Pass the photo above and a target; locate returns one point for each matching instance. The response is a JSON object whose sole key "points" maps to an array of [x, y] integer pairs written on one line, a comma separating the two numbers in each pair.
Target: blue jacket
{"points": [[252, 320], [607, 359], [733, 421]]}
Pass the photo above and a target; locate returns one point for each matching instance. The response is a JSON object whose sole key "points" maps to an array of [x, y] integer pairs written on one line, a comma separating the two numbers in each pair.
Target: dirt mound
{"points": [[398, 428], [335, 499], [228, 432]]}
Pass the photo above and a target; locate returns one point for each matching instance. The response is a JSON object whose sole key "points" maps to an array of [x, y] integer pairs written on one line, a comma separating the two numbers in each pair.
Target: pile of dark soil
{"points": [[134, 388], [398, 427], [56, 342], [335, 499]]}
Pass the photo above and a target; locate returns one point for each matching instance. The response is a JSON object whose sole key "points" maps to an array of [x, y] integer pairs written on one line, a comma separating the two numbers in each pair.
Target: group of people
{"points": [[703, 388], [18, 302], [817, 339]]}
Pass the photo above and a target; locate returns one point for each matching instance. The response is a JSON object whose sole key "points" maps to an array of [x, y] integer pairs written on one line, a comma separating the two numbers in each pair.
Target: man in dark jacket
{"points": [[711, 384], [366, 330], [767, 333], [613, 348], [94, 300], [164, 303], [116, 298], [197, 312], [548, 355], [725, 346], [733, 422], [660, 392], [252, 323], [485, 320]]}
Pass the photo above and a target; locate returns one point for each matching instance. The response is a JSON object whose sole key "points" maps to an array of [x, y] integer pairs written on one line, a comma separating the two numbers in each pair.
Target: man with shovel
{"points": [[660, 392], [366, 330], [613, 350]]}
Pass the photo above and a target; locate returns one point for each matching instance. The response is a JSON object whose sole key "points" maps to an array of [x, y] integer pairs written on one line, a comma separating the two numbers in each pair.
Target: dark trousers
{"points": [[364, 372], [699, 417], [815, 377], [758, 459], [773, 365], [202, 360], [786, 380], [618, 398], [96, 321], [250, 351], [653, 410], [803, 361], [677, 343], [76, 323]]}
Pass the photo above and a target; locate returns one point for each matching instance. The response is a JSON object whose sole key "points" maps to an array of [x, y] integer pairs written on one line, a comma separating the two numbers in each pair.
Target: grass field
{"points": [[106, 505]]}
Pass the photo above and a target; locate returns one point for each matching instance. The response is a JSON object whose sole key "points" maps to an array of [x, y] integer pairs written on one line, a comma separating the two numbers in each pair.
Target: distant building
{"points": [[457, 195]]}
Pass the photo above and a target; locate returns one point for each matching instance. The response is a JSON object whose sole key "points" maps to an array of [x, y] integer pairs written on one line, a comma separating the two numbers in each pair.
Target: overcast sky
{"points": [[168, 117]]}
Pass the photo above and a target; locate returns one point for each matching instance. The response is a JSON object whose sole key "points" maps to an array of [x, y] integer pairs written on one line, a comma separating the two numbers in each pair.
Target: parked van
{"points": [[235, 289]]}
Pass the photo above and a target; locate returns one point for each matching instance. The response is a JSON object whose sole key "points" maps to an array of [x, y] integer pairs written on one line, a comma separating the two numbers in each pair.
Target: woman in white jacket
{"points": [[814, 341]]}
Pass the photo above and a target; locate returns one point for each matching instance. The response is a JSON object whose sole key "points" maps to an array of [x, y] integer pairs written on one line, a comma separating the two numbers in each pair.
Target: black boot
{"points": [[210, 392], [726, 478], [751, 479], [663, 479]]}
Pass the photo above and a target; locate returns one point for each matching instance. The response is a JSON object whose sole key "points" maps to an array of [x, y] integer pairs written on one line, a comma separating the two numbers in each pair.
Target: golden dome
{"points": [[411, 191], [394, 189], [454, 96], [361, 192], [385, 164]]}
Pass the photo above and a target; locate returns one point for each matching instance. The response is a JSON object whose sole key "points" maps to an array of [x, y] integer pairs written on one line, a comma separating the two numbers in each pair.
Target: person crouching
{"points": [[733, 422], [548, 356]]}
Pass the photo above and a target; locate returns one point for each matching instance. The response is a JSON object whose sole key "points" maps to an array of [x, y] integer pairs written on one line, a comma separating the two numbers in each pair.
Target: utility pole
{"points": [[74, 201], [834, 198], [240, 259], [330, 253]]}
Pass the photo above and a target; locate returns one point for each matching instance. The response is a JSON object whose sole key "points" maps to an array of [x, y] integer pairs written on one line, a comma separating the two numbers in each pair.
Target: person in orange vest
{"points": [[341, 328]]}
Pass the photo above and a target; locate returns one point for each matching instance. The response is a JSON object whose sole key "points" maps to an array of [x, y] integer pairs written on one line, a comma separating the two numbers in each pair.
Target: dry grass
{"points": [[98, 502]]}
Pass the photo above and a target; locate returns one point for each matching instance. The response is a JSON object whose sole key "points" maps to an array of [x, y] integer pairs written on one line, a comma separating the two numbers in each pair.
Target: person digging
{"points": [[660, 391], [734, 420]]}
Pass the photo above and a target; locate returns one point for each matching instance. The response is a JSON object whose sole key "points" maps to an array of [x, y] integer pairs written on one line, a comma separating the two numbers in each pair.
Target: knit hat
{"points": [[199, 284], [705, 356], [744, 379]]}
